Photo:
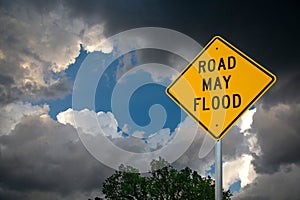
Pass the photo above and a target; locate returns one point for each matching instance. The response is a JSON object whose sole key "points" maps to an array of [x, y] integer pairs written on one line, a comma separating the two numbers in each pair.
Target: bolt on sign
{"points": [[219, 86]]}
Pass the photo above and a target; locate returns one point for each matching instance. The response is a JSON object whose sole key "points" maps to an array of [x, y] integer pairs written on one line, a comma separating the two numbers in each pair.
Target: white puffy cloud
{"points": [[239, 169], [90, 122], [105, 124], [246, 120], [238, 164], [137, 134], [130, 150]]}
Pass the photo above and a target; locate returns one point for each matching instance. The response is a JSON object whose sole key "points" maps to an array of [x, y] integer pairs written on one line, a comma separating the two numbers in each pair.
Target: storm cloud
{"points": [[43, 156]]}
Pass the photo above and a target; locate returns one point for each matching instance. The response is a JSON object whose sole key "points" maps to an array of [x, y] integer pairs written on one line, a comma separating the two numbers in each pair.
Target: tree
{"points": [[164, 183], [127, 183]]}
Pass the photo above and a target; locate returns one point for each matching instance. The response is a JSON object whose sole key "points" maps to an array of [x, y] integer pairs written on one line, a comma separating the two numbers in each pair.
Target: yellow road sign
{"points": [[219, 86]]}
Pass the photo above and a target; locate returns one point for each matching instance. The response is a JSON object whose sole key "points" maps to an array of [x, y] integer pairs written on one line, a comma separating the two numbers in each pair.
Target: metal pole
{"points": [[218, 170]]}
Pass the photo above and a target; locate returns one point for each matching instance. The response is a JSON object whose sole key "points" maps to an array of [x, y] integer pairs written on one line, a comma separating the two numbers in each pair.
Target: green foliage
{"points": [[163, 183]]}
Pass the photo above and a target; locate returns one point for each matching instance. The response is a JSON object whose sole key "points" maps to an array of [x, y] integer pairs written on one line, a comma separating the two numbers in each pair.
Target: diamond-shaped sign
{"points": [[219, 86]]}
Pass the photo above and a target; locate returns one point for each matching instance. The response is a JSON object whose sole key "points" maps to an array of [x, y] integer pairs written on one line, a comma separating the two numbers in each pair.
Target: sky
{"points": [[82, 91]]}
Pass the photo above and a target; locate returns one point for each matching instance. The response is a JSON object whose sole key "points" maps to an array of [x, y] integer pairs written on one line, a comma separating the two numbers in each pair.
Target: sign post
{"points": [[218, 170], [217, 88]]}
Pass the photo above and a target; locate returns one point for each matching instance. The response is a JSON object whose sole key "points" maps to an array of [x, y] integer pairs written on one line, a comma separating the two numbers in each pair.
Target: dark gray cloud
{"points": [[259, 28], [23, 71], [266, 30], [4, 80], [277, 133], [278, 186], [285, 90], [41, 155]]}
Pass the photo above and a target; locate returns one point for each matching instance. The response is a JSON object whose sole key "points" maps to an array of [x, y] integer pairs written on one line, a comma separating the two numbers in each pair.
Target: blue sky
{"points": [[139, 104]]}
